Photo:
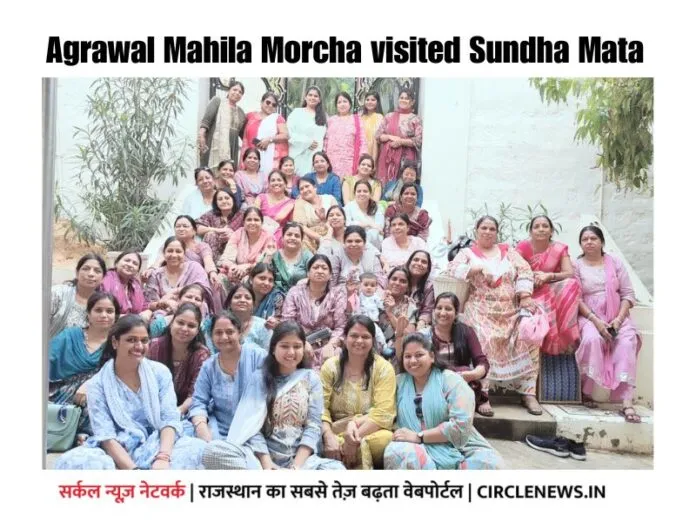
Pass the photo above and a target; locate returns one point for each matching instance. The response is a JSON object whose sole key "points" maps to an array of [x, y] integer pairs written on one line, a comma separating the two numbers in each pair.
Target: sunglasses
{"points": [[418, 401], [271, 103]]}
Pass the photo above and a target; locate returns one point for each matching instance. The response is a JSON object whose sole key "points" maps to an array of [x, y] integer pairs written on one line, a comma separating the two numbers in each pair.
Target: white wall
{"points": [[493, 140]]}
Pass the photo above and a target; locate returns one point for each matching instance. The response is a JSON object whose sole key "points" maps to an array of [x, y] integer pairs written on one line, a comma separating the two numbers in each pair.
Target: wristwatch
{"points": [[420, 436]]}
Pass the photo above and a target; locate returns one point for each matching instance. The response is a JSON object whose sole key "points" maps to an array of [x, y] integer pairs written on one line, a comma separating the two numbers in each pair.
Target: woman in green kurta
{"points": [[290, 262]]}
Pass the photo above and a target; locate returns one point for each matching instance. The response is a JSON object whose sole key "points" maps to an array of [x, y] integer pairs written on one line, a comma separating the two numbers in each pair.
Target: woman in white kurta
{"points": [[365, 212], [306, 128]]}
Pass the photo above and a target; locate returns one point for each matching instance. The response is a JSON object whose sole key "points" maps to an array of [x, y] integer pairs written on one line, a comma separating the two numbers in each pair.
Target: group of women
{"points": [[292, 322]]}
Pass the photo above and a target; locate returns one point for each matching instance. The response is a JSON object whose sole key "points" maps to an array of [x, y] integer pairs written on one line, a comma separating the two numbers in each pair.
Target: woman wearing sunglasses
{"points": [[266, 130]]}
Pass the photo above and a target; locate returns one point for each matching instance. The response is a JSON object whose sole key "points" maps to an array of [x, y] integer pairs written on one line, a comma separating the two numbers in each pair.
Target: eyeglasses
{"points": [[418, 401], [271, 103]]}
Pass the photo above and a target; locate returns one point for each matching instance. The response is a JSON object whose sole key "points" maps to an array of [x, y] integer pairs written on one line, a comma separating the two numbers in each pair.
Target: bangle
{"points": [[163, 456], [195, 426]]}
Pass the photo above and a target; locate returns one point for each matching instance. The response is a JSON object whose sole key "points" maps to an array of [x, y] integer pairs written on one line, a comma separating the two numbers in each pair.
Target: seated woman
{"points": [[269, 299], [123, 282], [355, 258], [311, 212], [397, 303], [316, 306], [457, 346], [182, 349], [326, 182], [280, 413], [200, 201], [501, 284], [289, 172], [225, 179], [435, 410], [556, 291], [399, 245], [164, 284], [365, 212], [276, 206], [418, 219], [419, 266], [74, 355], [68, 300], [609, 340], [359, 391], [290, 262], [240, 302], [250, 180], [332, 243], [365, 172], [194, 294], [132, 410], [247, 246], [407, 174], [219, 388], [217, 225]]}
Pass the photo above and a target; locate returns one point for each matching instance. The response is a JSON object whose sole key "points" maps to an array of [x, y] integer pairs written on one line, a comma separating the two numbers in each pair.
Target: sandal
{"points": [[588, 402], [630, 416], [532, 405], [485, 409]]}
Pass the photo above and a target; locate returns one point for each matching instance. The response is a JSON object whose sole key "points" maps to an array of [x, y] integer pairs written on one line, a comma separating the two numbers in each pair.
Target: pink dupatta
{"points": [[247, 253], [130, 296], [611, 282]]}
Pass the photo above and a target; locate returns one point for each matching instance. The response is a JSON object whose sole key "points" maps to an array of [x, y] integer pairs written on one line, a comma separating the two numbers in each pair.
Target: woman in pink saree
{"points": [[276, 206], [556, 291], [609, 340], [401, 136]]}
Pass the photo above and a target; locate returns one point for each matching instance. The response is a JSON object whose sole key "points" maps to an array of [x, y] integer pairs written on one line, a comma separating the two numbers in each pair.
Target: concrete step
{"points": [[513, 422]]}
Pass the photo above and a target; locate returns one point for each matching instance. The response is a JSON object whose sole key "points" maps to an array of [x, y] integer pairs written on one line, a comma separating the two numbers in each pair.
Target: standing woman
{"points": [[290, 262], [345, 139], [501, 285], [247, 246], [221, 127], [266, 130], [315, 306], [365, 212], [269, 299], [69, 300], [419, 265], [200, 201], [123, 282], [435, 413], [74, 355], [359, 406], [133, 412], [217, 225], [311, 212], [365, 172], [400, 135], [182, 349], [276, 206], [283, 406], [250, 180], [609, 340], [555, 289], [323, 177], [372, 115], [287, 169], [419, 219], [307, 127]]}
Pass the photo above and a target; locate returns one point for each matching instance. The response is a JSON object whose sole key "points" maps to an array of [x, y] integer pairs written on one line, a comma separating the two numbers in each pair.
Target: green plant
{"points": [[128, 147], [513, 222], [614, 114]]}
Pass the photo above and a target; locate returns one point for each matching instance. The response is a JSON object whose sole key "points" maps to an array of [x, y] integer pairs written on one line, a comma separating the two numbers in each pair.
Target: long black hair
{"points": [[427, 346], [376, 95], [420, 289], [271, 368], [195, 344], [458, 333], [124, 325], [368, 323], [89, 257], [371, 203], [319, 112]]}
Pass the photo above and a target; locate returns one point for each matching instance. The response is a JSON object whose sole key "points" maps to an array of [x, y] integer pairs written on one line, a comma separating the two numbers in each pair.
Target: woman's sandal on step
{"points": [[533, 409], [630, 416], [483, 411]]}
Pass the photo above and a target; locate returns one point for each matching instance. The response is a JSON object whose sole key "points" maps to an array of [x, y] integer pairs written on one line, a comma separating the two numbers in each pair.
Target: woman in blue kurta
{"points": [[133, 411], [435, 416], [278, 422], [323, 177], [74, 355]]}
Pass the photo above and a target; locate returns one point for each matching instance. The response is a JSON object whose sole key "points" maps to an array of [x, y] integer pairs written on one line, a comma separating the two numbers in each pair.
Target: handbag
{"points": [[533, 327], [559, 379], [61, 426]]}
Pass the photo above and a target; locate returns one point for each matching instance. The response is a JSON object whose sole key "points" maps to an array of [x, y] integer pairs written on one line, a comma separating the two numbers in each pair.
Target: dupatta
{"points": [[435, 412], [68, 355], [267, 129], [130, 296], [547, 261], [611, 282]]}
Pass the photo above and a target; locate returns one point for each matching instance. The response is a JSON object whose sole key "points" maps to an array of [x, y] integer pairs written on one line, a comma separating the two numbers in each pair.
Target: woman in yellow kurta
{"points": [[359, 399], [371, 117]]}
